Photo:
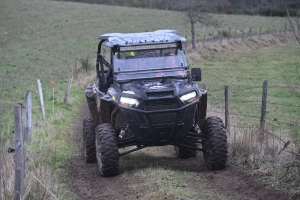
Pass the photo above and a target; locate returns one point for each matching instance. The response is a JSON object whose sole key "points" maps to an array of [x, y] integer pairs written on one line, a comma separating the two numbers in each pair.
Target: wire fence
{"points": [[242, 31], [254, 112]]}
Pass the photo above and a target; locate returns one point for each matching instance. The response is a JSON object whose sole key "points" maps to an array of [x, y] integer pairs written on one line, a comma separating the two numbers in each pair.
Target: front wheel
{"points": [[107, 150], [214, 146]]}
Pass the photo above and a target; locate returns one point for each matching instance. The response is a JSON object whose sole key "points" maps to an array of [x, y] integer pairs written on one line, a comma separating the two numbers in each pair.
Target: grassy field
{"points": [[39, 40], [244, 71]]}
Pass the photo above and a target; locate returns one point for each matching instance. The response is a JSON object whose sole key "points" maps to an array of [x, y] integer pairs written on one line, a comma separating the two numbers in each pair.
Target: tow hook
{"points": [[10, 150]]}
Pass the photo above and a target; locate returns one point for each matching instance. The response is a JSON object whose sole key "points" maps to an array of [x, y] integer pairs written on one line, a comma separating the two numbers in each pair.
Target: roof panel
{"points": [[125, 39]]}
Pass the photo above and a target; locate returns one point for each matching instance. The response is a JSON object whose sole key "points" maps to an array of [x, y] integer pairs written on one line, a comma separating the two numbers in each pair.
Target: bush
{"points": [[278, 12]]}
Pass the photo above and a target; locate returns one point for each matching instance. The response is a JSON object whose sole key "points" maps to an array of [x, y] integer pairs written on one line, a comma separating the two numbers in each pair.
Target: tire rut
{"points": [[231, 182]]}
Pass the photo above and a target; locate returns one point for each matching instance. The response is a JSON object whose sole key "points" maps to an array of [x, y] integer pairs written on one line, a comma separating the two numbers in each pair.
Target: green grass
{"points": [[244, 72], [160, 175], [39, 40]]}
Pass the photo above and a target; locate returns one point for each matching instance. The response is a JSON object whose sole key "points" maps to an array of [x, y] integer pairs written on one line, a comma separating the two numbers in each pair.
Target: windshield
{"points": [[149, 64]]}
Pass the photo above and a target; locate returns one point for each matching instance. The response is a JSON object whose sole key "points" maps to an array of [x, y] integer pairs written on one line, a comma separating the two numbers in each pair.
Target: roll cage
{"points": [[120, 43]]}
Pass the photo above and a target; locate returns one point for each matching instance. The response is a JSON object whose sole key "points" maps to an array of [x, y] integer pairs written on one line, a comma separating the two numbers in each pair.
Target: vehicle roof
{"points": [[129, 39]]}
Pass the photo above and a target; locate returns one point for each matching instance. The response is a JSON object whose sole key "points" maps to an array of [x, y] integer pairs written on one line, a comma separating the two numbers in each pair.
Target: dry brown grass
{"points": [[237, 44], [275, 159]]}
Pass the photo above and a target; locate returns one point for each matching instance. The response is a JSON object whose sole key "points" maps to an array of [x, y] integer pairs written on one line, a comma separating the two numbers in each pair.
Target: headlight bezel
{"points": [[129, 102], [188, 97]]}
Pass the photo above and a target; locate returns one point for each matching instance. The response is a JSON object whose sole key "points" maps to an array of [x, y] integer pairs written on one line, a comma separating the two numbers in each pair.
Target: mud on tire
{"points": [[89, 148], [107, 150], [215, 145]]}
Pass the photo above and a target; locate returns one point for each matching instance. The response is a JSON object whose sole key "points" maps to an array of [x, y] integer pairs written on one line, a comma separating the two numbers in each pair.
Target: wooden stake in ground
{"points": [[68, 87], [76, 67], [1, 158], [227, 112], [19, 153], [263, 111], [41, 98], [53, 84], [28, 124]]}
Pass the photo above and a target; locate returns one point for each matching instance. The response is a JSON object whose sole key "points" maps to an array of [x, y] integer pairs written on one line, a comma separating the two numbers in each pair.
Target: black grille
{"points": [[162, 118], [160, 94], [161, 104]]}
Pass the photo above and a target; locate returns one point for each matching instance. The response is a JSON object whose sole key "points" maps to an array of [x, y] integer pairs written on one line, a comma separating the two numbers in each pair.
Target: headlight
{"points": [[129, 101], [188, 97]]}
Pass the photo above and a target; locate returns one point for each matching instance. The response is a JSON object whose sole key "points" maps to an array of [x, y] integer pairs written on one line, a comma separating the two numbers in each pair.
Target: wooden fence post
{"points": [[1, 158], [28, 121], [260, 27], [76, 67], [243, 32], [263, 111], [87, 62], [68, 88], [41, 99], [19, 153], [229, 32], [235, 32], [227, 110], [250, 31], [285, 25], [203, 39]]}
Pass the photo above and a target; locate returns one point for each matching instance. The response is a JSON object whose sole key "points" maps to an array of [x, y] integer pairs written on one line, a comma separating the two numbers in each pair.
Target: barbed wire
{"points": [[243, 127], [280, 121], [256, 117], [248, 88], [281, 104]]}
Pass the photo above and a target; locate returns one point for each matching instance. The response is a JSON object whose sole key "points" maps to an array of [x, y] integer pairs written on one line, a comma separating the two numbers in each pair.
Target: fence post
{"points": [[243, 32], [263, 110], [235, 32], [41, 98], [68, 87], [229, 32], [250, 28], [1, 158], [19, 153], [28, 122], [285, 25], [227, 110], [260, 27], [203, 39], [76, 67], [87, 62]]}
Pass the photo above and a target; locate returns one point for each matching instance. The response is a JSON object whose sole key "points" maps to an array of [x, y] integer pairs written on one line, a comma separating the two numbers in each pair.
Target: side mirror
{"points": [[196, 74]]}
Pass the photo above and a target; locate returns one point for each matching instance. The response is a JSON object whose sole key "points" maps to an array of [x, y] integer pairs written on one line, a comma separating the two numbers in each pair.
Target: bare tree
{"points": [[291, 23], [198, 11]]}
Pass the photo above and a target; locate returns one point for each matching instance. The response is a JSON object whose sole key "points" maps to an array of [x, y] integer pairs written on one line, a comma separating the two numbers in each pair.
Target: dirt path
{"points": [[231, 183]]}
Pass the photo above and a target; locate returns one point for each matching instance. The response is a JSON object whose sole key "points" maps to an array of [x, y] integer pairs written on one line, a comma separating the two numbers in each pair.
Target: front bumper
{"points": [[158, 127]]}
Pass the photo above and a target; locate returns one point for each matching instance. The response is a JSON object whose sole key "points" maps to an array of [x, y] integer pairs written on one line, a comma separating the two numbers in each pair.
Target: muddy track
{"points": [[232, 183]]}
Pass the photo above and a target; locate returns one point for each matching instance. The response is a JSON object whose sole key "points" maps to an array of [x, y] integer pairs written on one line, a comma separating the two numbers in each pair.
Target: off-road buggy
{"points": [[145, 96]]}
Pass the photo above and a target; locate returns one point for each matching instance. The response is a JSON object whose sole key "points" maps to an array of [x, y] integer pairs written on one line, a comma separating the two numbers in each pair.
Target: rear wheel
{"points": [[89, 148], [214, 146], [107, 150]]}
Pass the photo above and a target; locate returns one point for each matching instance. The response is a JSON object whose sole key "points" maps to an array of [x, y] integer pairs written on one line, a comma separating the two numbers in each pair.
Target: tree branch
{"points": [[291, 23]]}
